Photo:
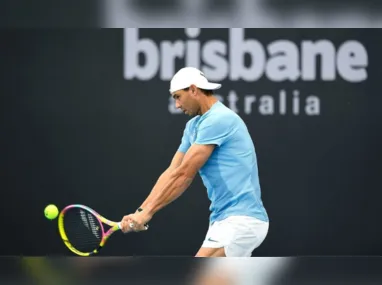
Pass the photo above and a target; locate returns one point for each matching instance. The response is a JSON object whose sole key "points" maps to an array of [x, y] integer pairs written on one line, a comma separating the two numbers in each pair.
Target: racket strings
{"points": [[83, 230]]}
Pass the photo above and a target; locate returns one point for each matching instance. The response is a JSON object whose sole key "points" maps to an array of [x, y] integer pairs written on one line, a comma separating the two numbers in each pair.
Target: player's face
{"points": [[185, 101]]}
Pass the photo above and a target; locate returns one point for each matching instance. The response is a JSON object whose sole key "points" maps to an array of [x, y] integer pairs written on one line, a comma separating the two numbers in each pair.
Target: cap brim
{"points": [[210, 86]]}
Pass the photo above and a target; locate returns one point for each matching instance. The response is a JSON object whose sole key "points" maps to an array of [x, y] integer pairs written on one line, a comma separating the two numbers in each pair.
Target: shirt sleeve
{"points": [[215, 130], [185, 143]]}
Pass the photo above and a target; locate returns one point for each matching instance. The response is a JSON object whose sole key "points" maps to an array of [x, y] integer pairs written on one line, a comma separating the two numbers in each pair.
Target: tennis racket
{"points": [[83, 230]]}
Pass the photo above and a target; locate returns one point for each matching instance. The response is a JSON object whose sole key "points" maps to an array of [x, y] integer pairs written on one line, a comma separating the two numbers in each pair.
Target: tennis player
{"points": [[216, 143]]}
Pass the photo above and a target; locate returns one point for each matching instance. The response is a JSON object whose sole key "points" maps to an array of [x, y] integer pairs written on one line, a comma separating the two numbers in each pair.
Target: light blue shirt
{"points": [[230, 174]]}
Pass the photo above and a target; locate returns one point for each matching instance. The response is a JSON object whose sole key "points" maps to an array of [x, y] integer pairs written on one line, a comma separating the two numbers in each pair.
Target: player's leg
{"points": [[211, 252]]}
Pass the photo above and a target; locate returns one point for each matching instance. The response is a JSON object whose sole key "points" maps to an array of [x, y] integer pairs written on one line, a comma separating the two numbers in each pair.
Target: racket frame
{"points": [[114, 226]]}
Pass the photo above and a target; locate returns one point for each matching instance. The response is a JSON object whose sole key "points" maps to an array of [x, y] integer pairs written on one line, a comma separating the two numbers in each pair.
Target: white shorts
{"points": [[239, 235]]}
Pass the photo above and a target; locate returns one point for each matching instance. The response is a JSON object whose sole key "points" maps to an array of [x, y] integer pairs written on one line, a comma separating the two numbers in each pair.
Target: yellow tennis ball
{"points": [[51, 212]]}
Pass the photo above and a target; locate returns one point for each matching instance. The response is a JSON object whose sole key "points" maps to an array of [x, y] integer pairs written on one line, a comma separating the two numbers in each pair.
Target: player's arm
{"points": [[179, 179], [165, 176]]}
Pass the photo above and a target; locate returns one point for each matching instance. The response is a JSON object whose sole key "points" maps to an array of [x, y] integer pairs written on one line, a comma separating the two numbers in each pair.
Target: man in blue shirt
{"points": [[216, 143]]}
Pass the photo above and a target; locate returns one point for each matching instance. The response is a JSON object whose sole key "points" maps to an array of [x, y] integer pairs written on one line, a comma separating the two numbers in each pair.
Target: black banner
{"points": [[87, 118]]}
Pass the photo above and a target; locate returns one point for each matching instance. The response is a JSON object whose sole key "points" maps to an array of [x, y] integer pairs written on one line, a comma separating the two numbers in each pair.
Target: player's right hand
{"points": [[136, 222], [126, 223]]}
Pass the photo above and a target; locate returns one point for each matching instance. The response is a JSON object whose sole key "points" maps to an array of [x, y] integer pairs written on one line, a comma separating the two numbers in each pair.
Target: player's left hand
{"points": [[135, 222]]}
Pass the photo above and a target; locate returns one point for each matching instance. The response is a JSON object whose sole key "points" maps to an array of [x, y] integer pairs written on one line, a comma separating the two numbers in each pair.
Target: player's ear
{"points": [[193, 89]]}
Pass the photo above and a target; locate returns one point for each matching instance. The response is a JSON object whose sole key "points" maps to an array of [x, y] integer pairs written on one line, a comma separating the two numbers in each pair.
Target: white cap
{"points": [[187, 76]]}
